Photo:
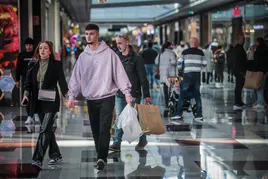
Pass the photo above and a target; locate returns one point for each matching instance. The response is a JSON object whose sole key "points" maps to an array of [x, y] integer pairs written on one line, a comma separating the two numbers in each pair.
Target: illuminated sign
{"points": [[258, 27], [237, 11]]}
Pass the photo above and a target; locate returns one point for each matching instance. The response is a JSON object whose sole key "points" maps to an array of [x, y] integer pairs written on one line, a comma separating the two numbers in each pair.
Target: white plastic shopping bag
{"points": [[128, 121]]}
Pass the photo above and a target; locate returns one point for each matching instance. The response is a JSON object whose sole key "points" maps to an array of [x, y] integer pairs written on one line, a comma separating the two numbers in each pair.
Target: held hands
{"points": [[70, 103], [129, 99]]}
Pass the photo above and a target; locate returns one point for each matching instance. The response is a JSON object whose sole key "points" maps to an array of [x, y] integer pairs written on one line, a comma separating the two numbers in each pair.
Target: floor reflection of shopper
{"points": [[191, 62], [261, 64], [98, 74], [166, 60], [134, 66], [45, 73]]}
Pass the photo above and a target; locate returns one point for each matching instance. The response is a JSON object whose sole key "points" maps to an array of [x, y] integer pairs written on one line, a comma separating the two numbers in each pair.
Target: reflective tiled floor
{"points": [[228, 144]]}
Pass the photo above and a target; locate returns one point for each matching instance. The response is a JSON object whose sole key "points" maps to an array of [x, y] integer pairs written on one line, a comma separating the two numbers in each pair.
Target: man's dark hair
{"points": [[29, 41], [150, 44], [92, 27]]}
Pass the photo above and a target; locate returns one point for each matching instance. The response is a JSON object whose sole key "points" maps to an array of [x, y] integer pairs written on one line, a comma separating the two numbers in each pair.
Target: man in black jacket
{"points": [[24, 58], [134, 66], [149, 56], [240, 67]]}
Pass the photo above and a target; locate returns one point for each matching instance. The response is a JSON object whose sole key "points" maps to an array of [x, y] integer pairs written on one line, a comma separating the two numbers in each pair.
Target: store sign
{"points": [[237, 11], [258, 27]]}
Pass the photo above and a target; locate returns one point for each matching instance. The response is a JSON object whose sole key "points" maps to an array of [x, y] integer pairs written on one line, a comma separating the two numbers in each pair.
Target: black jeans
{"points": [[240, 80], [46, 138], [166, 93], [209, 75], [219, 71], [230, 74], [100, 116]]}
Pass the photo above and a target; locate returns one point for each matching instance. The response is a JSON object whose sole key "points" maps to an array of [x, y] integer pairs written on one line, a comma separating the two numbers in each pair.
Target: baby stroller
{"points": [[174, 92]]}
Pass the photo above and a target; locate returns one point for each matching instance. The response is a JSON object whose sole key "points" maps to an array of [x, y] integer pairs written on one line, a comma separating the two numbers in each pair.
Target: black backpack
{"points": [[221, 58]]}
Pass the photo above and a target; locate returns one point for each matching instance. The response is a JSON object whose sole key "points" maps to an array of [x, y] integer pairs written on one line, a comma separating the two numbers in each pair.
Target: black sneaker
{"points": [[37, 165], [100, 164], [55, 161], [115, 148], [199, 119]]}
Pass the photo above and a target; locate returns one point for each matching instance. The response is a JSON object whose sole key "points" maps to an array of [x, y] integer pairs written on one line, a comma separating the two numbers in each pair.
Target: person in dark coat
{"points": [[229, 63], [239, 68], [261, 65], [22, 65], [44, 73], [133, 64]]}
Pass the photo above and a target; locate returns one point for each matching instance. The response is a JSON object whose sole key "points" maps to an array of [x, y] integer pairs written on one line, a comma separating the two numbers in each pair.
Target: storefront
{"points": [[9, 36], [254, 15]]}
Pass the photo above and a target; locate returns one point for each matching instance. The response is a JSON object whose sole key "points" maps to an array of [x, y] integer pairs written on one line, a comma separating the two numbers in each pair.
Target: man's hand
{"points": [[17, 84], [70, 103], [147, 100], [129, 99]]}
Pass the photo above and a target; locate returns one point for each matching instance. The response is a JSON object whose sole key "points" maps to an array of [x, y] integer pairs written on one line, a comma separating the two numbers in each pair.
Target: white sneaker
{"points": [[258, 106], [218, 85], [238, 107], [254, 104], [29, 121]]}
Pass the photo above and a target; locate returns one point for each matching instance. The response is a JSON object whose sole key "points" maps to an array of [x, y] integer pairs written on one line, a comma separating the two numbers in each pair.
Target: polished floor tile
{"points": [[227, 144]]}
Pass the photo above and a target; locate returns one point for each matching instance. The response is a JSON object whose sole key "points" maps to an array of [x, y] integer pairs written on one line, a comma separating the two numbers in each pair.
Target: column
{"points": [[24, 21], [237, 24], [161, 34], [205, 29], [37, 20]]}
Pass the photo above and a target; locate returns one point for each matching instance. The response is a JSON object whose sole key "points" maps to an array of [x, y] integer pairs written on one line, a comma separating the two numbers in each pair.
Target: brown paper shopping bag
{"points": [[150, 119], [253, 80]]}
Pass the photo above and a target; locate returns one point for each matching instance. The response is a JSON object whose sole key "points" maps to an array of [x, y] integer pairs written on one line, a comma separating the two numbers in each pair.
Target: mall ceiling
{"points": [[134, 11]]}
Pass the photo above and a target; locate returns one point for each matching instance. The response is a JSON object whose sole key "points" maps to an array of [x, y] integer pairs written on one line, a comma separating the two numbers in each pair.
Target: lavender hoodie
{"points": [[98, 74]]}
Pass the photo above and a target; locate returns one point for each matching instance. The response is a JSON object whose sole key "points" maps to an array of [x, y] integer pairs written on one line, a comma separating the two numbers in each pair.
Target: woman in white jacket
{"points": [[209, 57], [167, 62]]}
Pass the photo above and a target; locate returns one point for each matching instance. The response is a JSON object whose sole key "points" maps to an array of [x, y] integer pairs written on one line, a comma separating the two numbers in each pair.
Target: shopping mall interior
{"points": [[227, 141]]}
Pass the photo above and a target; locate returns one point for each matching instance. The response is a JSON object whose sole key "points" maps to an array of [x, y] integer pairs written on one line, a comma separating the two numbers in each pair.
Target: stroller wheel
{"points": [[172, 111]]}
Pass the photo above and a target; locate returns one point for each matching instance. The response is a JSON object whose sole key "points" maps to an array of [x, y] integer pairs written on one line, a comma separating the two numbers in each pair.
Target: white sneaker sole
{"points": [[55, 163]]}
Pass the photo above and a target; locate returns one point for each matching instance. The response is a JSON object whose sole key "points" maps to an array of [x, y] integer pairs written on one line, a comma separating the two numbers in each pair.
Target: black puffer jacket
{"points": [[22, 65], [134, 66], [261, 59]]}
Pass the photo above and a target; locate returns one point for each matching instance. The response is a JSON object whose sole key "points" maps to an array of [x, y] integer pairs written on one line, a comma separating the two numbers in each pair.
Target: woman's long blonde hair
{"points": [[36, 55]]}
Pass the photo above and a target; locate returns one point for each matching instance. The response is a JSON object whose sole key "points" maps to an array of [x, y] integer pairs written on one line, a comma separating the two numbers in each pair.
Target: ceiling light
{"points": [[176, 5]]}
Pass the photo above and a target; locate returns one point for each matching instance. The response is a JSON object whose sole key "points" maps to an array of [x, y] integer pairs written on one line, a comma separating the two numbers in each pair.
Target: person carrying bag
{"points": [[41, 82]]}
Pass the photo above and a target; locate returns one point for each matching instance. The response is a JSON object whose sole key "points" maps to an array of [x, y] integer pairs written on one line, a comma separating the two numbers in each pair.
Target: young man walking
{"points": [[98, 74]]}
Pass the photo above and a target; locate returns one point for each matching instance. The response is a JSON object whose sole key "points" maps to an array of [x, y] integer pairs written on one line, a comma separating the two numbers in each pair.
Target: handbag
{"points": [[157, 71], [253, 80], [45, 94]]}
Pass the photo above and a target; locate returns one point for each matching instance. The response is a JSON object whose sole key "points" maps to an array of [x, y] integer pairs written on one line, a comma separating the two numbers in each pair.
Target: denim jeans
{"points": [[120, 104], [150, 69], [190, 80], [260, 96]]}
